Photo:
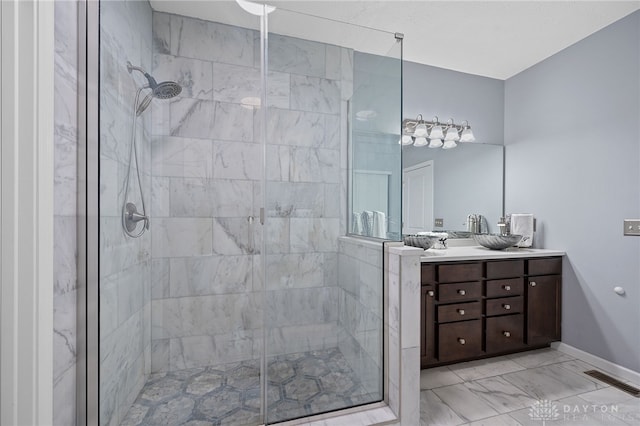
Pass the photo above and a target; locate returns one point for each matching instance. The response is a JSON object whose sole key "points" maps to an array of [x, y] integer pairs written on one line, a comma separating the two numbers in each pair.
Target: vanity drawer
{"points": [[458, 340], [459, 291], [459, 272], [505, 333], [546, 266], [459, 312], [512, 287], [504, 306], [505, 269], [427, 273]]}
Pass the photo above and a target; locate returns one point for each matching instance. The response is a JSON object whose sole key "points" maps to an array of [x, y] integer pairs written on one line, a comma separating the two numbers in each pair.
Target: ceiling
{"points": [[496, 39]]}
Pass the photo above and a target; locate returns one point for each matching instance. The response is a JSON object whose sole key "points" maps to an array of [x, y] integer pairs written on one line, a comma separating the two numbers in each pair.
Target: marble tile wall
{"points": [[125, 263], [64, 221], [206, 164], [402, 324], [360, 315]]}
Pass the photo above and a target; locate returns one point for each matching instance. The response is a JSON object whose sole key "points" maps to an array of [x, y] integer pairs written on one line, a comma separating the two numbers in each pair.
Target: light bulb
{"points": [[452, 134], [449, 144], [436, 133], [406, 140], [421, 130], [435, 143], [467, 135], [420, 141]]}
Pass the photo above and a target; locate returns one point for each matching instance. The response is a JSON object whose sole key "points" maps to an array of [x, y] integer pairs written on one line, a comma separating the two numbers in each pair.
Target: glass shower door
{"points": [[323, 330]]}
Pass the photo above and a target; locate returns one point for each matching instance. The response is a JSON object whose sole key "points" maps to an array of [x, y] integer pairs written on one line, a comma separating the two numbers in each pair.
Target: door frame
{"points": [[26, 212]]}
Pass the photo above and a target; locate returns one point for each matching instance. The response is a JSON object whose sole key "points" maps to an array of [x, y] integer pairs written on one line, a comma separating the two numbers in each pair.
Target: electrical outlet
{"points": [[439, 223], [632, 227]]}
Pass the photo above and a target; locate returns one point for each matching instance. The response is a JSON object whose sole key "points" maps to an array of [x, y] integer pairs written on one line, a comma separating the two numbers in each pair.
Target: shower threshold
{"points": [[299, 385]]}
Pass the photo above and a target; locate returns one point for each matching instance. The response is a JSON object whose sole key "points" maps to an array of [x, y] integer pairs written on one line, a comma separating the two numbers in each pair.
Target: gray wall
{"points": [[432, 91], [573, 159]]}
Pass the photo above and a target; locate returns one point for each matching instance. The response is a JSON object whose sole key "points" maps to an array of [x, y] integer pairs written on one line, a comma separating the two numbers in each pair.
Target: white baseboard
{"points": [[602, 364]]}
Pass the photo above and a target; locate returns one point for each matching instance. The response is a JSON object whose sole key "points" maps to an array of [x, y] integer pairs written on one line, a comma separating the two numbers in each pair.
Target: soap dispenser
{"points": [[503, 226]]}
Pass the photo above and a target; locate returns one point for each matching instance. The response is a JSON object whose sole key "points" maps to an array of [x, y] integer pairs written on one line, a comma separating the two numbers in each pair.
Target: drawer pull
{"points": [[533, 284], [506, 306], [462, 341], [431, 293], [461, 311], [506, 333], [507, 287], [462, 292]]}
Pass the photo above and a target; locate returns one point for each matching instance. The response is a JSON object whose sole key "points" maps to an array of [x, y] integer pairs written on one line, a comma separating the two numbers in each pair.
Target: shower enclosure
{"points": [[222, 292]]}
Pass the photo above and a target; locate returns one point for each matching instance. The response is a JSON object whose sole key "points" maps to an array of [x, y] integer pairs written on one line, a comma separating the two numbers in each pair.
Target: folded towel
{"points": [[379, 229], [356, 224], [367, 223], [522, 224]]}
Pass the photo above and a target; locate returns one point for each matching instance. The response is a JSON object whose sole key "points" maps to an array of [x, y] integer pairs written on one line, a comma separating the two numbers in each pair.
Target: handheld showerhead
{"points": [[163, 90]]}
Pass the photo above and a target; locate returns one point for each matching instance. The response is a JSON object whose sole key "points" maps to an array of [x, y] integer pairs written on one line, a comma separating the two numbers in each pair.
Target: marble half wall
{"points": [[208, 305]]}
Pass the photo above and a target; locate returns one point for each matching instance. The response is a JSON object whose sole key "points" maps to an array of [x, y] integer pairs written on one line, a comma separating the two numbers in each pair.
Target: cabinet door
{"points": [[427, 326], [543, 309]]}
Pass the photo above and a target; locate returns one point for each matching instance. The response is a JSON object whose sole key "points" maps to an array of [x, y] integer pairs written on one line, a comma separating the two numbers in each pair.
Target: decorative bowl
{"points": [[497, 241], [421, 241]]}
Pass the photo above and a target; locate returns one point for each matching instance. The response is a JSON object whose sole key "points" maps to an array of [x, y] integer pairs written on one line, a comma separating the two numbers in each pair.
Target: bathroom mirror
{"points": [[468, 179]]}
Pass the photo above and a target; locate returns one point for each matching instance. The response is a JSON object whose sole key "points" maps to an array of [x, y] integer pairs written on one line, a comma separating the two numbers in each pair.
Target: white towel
{"points": [[367, 223], [356, 224], [522, 224], [379, 225]]}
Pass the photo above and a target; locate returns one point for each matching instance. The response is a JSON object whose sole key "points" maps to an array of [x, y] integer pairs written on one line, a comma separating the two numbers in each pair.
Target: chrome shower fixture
{"points": [[416, 132], [162, 90]]}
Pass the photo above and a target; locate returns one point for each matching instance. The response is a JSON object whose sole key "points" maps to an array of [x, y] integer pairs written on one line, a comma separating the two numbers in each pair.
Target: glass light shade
{"points": [[422, 141], [435, 143], [436, 133], [406, 140], [448, 144], [467, 135], [421, 130], [452, 134]]}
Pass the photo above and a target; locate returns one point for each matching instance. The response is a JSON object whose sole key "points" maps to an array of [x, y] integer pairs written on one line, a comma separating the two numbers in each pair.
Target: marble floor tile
{"points": [[435, 412], [573, 411], [539, 357], [502, 420], [501, 395], [466, 404], [550, 382], [437, 377], [579, 367], [609, 395], [474, 370]]}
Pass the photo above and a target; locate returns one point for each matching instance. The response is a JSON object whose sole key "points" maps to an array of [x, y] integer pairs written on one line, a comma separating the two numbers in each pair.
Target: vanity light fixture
{"points": [[420, 132]]}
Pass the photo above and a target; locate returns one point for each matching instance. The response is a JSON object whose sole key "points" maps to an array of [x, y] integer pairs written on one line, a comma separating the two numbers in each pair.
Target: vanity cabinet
{"points": [[483, 308]]}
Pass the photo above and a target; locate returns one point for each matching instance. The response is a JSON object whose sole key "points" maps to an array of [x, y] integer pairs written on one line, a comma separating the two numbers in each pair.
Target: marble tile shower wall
{"points": [[207, 303], [361, 309], [125, 263], [64, 221]]}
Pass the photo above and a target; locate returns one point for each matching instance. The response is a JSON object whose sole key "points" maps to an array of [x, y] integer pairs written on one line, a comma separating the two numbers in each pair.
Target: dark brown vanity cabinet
{"points": [[482, 308]]}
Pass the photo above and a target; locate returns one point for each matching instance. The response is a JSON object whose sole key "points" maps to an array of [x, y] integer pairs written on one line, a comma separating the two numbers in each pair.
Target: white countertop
{"points": [[480, 253]]}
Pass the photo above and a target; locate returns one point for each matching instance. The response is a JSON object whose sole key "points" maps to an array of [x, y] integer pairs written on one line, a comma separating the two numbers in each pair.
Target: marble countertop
{"points": [[452, 254]]}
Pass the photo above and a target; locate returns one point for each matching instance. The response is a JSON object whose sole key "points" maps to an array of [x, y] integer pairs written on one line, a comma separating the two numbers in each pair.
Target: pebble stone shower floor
{"points": [[299, 385]]}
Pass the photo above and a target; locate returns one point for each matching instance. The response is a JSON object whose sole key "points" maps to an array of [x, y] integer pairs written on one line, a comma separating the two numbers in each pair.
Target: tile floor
{"points": [[535, 388], [298, 385]]}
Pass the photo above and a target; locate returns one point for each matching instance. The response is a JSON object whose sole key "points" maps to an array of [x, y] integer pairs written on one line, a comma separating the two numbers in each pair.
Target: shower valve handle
{"points": [[132, 217]]}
